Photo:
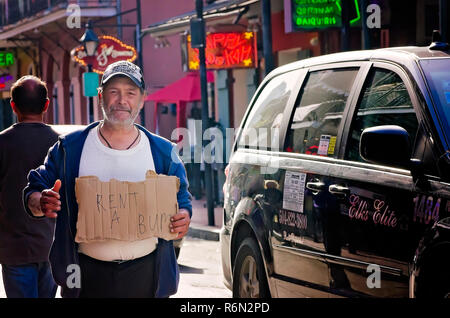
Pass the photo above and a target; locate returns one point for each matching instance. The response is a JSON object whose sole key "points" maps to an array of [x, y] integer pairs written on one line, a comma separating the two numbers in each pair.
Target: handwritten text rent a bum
{"points": [[128, 211]]}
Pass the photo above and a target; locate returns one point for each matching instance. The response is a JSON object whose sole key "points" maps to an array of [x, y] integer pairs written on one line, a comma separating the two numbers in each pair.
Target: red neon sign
{"points": [[109, 50], [226, 50]]}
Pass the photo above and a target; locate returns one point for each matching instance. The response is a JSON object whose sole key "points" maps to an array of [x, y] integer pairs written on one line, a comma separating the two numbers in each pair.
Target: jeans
{"points": [[29, 281]]}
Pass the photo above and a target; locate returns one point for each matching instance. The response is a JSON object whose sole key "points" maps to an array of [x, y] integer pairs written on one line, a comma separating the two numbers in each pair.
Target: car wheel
{"points": [[434, 281], [249, 278]]}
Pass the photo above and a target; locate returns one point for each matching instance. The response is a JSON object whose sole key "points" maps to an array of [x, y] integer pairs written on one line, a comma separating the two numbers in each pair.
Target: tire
{"points": [[249, 275], [434, 279]]}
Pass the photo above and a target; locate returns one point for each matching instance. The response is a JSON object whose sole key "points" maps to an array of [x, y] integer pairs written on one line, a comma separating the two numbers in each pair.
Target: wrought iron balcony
{"points": [[13, 11]]}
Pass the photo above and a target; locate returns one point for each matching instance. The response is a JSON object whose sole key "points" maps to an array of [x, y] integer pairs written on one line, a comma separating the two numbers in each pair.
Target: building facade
{"points": [[37, 37]]}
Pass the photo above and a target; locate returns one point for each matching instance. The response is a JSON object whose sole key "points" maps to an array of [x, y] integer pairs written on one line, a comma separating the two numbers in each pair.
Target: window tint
{"points": [[261, 129], [384, 101], [314, 127]]}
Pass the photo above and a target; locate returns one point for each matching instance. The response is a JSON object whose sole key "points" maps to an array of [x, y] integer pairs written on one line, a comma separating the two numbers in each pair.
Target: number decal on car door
{"points": [[425, 209]]}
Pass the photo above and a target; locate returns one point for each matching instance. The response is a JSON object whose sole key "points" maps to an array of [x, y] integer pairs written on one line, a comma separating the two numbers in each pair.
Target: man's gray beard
{"points": [[118, 123]]}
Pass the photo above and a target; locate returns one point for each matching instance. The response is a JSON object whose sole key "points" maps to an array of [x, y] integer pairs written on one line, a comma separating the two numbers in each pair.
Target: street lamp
{"points": [[90, 43], [89, 40]]}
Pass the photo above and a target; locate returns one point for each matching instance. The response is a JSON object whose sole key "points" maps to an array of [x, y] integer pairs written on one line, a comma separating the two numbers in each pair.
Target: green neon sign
{"points": [[321, 14], [6, 59]]}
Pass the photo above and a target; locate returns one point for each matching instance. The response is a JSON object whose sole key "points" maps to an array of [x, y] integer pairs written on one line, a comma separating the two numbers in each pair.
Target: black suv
{"points": [[339, 179]]}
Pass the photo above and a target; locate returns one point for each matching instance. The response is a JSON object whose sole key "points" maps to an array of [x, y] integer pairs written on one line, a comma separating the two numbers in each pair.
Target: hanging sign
{"points": [[109, 50], [225, 50], [90, 84]]}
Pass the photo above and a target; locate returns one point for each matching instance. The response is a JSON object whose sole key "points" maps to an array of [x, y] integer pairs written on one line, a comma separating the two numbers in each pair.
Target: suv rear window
{"points": [[316, 120], [261, 128]]}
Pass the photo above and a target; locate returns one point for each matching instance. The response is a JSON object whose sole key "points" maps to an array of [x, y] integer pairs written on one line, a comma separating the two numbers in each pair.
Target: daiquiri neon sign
{"points": [[226, 50], [306, 15]]}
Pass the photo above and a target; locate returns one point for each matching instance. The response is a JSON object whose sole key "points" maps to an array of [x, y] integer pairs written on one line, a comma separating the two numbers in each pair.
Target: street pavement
{"points": [[200, 264], [201, 274]]}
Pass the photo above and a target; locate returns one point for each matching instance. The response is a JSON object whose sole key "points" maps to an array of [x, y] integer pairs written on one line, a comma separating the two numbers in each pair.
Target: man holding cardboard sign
{"points": [[119, 194]]}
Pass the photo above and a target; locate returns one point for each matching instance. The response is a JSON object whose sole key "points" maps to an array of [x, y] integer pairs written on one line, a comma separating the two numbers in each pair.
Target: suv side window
{"points": [[260, 130], [318, 114], [384, 101]]}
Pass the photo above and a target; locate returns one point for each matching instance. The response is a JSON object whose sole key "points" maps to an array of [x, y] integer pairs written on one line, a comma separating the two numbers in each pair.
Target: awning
{"points": [[186, 89], [217, 10]]}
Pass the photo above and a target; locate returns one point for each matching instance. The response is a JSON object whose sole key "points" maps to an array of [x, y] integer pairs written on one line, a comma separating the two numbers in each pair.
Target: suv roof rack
{"points": [[437, 44]]}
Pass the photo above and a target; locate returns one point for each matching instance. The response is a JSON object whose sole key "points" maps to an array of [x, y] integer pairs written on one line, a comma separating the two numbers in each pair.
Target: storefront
{"points": [[42, 34]]}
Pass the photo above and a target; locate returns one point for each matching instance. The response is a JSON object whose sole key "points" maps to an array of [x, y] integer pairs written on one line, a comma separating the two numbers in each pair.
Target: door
{"points": [[302, 230], [374, 204]]}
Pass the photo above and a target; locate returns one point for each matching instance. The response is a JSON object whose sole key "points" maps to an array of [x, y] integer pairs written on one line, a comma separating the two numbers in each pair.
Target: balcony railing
{"points": [[12, 11]]}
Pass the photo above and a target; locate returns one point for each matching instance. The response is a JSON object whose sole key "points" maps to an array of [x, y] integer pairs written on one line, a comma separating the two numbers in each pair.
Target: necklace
{"points": [[109, 145]]}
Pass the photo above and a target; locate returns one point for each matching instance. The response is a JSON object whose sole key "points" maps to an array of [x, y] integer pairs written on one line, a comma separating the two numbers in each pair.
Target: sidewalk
{"points": [[199, 222]]}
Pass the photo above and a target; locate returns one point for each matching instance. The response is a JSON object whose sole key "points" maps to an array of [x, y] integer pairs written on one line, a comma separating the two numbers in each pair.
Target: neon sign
{"points": [[109, 50], [4, 79], [6, 59], [225, 50], [318, 14]]}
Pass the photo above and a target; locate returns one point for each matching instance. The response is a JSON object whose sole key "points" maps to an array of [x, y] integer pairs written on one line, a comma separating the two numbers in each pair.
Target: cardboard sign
{"points": [[127, 211]]}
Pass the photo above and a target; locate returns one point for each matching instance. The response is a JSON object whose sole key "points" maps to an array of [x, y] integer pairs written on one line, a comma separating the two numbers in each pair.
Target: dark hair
{"points": [[29, 93]]}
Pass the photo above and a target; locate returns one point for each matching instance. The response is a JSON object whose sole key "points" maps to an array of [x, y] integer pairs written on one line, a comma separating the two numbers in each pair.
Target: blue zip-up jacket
{"points": [[63, 162]]}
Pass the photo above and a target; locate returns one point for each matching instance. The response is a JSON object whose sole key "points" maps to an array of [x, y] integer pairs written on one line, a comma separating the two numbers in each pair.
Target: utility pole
{"points": [[198, 40], [345, 30], [138, 34], [139, 49], [365, 29], [267, 36]]}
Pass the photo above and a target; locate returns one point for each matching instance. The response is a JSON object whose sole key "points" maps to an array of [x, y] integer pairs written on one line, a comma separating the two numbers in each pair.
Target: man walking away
{"points": [[25, 242]]}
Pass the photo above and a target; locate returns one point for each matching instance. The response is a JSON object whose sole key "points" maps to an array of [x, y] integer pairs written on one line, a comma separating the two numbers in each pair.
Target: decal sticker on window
{"points": [[332, 145], [294, 191], [323, 145]]}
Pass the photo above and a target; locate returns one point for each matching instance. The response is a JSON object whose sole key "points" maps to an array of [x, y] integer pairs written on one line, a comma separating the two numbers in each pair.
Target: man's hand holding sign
{"points": [[180, 223]]}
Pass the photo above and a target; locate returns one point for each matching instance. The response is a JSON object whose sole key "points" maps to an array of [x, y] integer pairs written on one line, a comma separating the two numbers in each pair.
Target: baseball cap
{"points": [[128, 69]]}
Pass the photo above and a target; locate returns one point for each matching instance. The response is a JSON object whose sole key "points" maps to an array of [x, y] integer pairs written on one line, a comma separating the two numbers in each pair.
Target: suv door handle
{"points": [[338, 189], [315, 186]]}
